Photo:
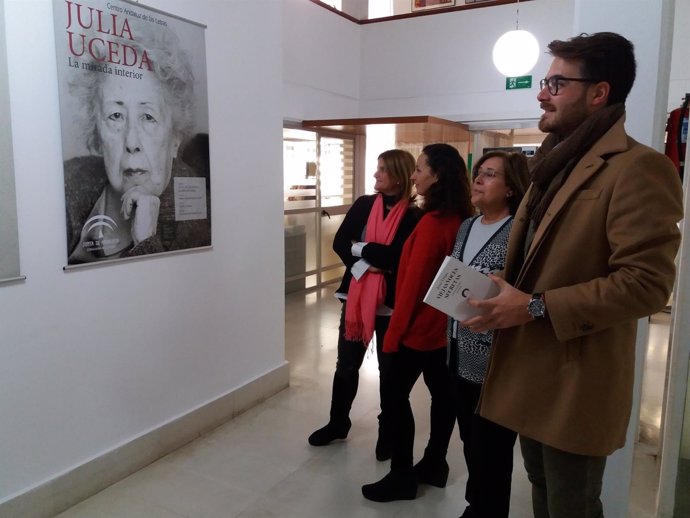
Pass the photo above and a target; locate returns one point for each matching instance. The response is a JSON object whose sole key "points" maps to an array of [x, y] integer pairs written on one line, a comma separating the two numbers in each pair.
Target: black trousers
{"points": [[407, 365], [350, 358], [488, 449]]}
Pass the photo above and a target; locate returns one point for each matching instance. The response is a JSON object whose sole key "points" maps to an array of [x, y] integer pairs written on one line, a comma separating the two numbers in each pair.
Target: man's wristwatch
{"points": [[536, 307]]}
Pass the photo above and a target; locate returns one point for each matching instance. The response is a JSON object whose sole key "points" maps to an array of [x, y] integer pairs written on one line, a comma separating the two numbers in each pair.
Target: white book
{"points": [[454, 283]]}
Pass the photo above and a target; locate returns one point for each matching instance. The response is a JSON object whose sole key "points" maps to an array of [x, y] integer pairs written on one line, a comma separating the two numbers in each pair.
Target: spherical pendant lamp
{"points": [[516, 52]]}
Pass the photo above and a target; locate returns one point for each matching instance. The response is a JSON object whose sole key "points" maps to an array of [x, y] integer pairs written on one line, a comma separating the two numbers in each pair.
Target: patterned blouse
{"points": [[468, 351]]}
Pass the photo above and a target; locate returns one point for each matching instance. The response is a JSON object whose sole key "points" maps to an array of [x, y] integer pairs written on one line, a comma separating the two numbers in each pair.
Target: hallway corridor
{"points": [[259, 465]]}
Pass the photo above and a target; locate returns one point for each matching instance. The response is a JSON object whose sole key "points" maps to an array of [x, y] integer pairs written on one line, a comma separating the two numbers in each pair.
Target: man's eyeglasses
{"points": [[488, 174], [553, 83]]}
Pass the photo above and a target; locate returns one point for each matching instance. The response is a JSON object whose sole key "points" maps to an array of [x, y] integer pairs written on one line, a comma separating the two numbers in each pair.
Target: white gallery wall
{"points": [[92, 359], [321, 63], [442, 65], [432, 65]]}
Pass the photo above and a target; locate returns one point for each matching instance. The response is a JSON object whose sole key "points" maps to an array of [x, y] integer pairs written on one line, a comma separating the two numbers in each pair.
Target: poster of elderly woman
{"points": [[134, 116]]}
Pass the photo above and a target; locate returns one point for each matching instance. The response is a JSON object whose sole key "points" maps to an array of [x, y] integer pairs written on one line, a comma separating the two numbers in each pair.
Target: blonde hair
{"points": [[400, 165]]}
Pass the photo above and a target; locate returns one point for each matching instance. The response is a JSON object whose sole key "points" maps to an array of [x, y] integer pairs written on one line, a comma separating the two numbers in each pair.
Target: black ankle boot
{"points": [[397, 485], [432, 472], [383, 449], [330, 433]]}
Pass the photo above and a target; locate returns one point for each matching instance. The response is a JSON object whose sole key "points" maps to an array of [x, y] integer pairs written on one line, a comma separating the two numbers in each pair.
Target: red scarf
{"points": [[367, 294]]}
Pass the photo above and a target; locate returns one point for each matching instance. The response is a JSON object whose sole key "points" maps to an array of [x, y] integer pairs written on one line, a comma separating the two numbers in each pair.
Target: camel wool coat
{"points": [[603, 255]]}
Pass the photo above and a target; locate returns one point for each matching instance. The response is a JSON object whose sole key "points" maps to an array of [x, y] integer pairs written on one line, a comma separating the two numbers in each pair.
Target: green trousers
{"points": [[564, 485]]}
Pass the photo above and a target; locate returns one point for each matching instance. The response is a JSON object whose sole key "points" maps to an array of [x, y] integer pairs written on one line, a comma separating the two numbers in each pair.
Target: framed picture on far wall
{"points": [[424, 5]]}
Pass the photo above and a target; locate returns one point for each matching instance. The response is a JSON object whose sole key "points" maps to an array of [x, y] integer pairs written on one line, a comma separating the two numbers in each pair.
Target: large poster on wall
{"points": [[134, 117], [9, 239]]}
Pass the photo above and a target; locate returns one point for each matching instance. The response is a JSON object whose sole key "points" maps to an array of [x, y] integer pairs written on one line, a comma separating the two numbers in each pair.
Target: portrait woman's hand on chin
{"points": [[142, 209]]}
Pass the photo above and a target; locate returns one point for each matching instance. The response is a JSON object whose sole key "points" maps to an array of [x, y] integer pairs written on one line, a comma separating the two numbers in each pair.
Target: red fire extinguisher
{"points": [[677, 134]]}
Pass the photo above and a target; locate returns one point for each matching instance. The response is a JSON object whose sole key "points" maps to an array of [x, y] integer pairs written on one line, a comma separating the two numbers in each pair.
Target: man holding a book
{"points": [[591, 251]]}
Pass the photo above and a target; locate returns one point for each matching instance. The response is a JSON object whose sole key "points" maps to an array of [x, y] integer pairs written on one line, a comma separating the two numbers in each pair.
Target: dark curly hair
{"points": [[451, 193], [603, 56]]}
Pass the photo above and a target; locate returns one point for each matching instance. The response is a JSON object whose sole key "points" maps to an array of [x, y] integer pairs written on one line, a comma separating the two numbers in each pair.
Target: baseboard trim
{"points": [[70, 488]]}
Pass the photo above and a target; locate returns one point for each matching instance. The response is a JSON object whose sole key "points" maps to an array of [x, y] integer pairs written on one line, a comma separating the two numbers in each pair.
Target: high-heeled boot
{"points": [[397, 485], [384, 448], [331, 432], [342, 396], [432, 471]]}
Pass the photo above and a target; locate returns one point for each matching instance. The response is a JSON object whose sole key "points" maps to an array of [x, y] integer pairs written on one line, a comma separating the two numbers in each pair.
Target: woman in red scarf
{"points": [[369, 242], [416, 339]]}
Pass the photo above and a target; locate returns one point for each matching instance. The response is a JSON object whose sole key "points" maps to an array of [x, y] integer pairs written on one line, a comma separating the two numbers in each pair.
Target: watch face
{"points": [[536, 308]]}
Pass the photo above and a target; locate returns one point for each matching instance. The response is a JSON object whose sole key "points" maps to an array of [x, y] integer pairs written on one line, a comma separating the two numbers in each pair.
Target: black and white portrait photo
{"points": [[134, 114]]}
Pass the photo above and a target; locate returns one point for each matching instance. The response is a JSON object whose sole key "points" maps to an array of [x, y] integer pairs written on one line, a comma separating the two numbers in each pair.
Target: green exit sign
{"points": [[515, 83]]}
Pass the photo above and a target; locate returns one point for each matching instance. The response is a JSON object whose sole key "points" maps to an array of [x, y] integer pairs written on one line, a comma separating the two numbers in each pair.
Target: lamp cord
{"points": [[517, 16]]}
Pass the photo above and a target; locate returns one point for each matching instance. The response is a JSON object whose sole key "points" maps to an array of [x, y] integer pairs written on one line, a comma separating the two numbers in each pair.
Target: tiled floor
{"points": [[260, 465]]}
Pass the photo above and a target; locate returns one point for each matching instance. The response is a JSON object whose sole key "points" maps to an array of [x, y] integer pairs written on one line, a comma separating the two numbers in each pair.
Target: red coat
{"points": [[414, 323]]}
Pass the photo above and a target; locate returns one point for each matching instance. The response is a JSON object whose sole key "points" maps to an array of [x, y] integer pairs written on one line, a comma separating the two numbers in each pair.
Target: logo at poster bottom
{"points": [[100, 236]]}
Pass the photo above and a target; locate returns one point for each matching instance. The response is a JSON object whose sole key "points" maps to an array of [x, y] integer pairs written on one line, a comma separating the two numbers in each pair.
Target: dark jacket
{"points": [[384, 257]]}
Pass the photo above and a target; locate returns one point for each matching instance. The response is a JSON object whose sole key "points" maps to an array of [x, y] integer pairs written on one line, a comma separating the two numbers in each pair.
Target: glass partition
{"points": [[318, 186]]}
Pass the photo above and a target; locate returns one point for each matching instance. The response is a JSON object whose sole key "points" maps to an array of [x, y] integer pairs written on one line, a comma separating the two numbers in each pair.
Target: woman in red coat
{"points": [[416, 337]]}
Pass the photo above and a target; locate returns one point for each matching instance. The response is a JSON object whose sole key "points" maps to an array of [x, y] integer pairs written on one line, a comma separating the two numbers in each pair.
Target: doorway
{"points": [[318, 187]]}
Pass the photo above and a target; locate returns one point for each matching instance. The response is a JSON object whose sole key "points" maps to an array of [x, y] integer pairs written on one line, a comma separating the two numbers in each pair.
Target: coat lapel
{"points": [[612, 142]]}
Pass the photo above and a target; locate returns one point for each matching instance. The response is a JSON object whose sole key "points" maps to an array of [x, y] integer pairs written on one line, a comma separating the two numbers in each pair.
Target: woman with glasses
{"points": [[499, 181]]}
